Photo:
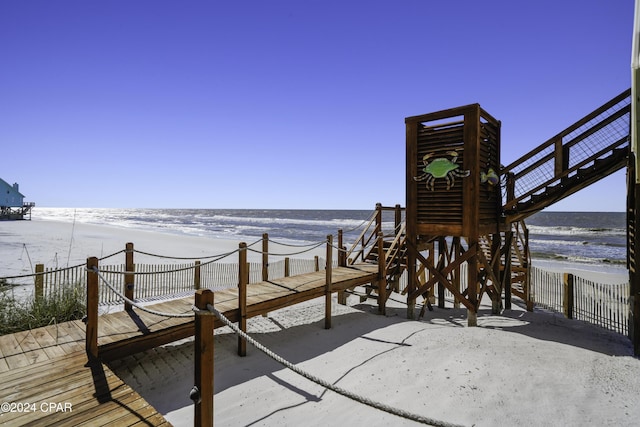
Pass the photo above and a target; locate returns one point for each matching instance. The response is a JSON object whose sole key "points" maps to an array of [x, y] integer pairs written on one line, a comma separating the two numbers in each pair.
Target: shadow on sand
{"points": [[173, 364]]}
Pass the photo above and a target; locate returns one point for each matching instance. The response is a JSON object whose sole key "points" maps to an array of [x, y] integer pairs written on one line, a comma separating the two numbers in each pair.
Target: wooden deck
{"points": [[123, 333], [46, 380], [47, 367]]}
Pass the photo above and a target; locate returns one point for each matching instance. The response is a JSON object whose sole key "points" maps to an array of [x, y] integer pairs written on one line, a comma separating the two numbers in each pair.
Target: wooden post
{"points": [[398, 218], [265, 257], [327, 289], [442, 252], [91, 343], [511, 189], [506, 276], [287, 267], [203, 349], [316, 261], [527, 277], [472, 283], [39, 281], [455, 247], [559, 156], [129, 278], [496, 243], [196, 276], [382, 276], [243, 278], [378, 218], [411, 282], [342, 255], [342, 262], [567, 300]]}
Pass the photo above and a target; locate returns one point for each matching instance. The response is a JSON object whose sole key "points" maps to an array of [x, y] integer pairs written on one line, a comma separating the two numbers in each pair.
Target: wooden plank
{"points": [[4, 366], [48, 343], [76, 384], [34, 375], [9, 345], [262, 297]]}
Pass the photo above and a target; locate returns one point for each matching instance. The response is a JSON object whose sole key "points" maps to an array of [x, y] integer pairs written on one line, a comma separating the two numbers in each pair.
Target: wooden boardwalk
{"points": [[123, 333], [47, 367], [46, 380]]}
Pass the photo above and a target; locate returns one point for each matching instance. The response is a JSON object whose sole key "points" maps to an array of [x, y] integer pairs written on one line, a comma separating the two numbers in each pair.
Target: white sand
{"points": [[59, 244], [519, 368]]}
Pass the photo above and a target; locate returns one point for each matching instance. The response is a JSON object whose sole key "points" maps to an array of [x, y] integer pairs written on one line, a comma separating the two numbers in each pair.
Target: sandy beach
{"points": [[518, 368]]}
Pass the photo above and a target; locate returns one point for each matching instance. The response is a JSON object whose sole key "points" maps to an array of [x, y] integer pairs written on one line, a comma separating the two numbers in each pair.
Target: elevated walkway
{"points": [[49, 366], [126, 332], [591, 149]]}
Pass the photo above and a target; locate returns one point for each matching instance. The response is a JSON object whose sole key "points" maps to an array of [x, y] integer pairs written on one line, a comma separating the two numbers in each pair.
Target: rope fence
{"points": [[323, 383]]}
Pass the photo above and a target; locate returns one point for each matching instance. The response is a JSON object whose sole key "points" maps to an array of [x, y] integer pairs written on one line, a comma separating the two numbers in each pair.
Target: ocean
{"points": [[577, 237]]}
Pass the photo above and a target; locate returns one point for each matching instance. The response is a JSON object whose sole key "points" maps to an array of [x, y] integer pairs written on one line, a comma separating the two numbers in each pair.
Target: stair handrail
{"points": [[560, 152], [361, 239], [559, 176], [521, 240], [396, 246]]}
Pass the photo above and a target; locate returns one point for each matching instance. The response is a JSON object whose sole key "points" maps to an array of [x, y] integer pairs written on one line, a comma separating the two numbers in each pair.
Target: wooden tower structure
{"points": [[453, 199]]}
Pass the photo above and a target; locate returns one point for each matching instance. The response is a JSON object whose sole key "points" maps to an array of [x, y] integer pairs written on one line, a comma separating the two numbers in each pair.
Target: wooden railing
{"points": [[366, 241], [551, 165], [153, 281]]}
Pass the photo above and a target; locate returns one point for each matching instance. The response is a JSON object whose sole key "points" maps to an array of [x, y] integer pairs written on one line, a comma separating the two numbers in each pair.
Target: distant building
{"points": [[12, 205]]}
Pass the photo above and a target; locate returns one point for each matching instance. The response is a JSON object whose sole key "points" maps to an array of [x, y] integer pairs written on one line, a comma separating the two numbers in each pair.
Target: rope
{"points": [[327, 385], [364, 221], [175, 270], [218, 256], [293, 245], [136, 305], [59, 270], [317, 245]]}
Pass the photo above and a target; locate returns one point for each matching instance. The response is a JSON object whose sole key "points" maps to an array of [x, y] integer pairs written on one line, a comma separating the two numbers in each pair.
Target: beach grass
{"points": [[19, 314]]}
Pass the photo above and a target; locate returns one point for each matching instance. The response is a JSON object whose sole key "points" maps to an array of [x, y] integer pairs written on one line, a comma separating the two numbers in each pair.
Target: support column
{"points": [[442, 254], [412, 279], [496, 302], [506, 276], [472, 281]]}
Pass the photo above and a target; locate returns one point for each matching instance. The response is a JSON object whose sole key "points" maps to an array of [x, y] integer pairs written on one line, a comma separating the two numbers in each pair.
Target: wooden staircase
{"points": [[387, 249], [393, 249], [519, 260], [587, 151]]}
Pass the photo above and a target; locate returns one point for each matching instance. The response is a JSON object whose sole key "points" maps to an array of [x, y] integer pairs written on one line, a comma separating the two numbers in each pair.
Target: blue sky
{"points": [[285, 104]]}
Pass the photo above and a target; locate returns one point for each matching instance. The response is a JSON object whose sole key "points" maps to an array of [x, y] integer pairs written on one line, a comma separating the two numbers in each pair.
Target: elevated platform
{"points": [[123, 333], [49, 366]]}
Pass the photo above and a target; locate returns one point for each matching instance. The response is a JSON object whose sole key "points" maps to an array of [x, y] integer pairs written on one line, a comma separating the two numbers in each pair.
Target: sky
{"points": [[285, 104]]}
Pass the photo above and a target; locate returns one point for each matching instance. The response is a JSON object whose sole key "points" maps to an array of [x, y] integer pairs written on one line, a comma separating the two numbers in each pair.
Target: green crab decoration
{"points": [[441, 167]]}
